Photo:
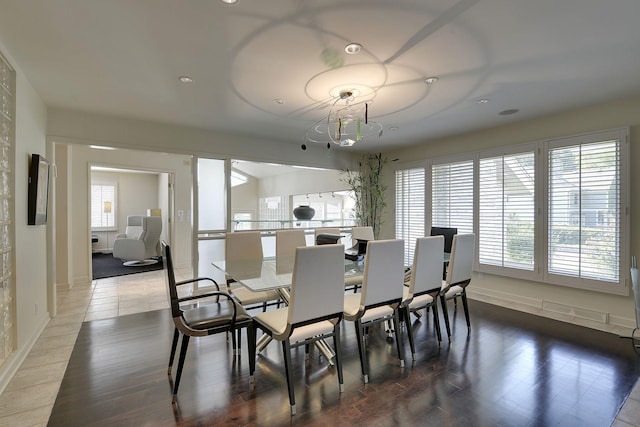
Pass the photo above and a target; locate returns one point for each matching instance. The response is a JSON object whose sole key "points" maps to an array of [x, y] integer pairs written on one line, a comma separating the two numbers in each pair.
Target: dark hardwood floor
{"points": [[514, 369]]}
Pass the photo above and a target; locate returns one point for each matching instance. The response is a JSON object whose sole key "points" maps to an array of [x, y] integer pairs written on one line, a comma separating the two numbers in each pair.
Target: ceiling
{"points": [[124, 58]]}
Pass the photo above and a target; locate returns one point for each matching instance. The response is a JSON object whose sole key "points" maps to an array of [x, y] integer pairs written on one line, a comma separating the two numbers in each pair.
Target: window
{"points": [[584, 210], [238, 179], [103, 206], [242, 220], [551, 211], [507, 211], [272, 210], [452, 195], [212, 195], [410, 191]]}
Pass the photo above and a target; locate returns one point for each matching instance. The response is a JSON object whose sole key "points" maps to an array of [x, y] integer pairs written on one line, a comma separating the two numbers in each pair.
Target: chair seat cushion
{"points": [[274, 320], [376, 313], [353, 280], [214, 315], [454, 291], [415, 302], [352, 306], [312, 330], [248, 297]]}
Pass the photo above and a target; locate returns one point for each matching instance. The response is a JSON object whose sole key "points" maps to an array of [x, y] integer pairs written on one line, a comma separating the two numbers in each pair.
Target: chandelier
{"points": [[347, 123]]}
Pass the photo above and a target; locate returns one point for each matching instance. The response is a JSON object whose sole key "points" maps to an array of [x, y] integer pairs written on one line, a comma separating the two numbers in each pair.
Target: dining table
{"points": [[275, 273]]}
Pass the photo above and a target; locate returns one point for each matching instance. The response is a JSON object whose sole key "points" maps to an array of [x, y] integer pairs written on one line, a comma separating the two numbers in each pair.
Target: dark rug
{"points": [[105, 265]]}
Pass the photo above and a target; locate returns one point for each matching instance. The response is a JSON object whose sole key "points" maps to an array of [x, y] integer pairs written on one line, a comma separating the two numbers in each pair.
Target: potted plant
{"points": [[369, 192]]}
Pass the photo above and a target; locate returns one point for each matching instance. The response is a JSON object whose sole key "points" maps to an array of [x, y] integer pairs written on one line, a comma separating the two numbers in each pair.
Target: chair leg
{"points": [[233, 341], [445, 313], [336, 346], [183, 352], [286, 351], [436, 320], [251, 346], [237, 350], [466, 308], [407, 323], [361, 350], [174, 345], [399, 343]]}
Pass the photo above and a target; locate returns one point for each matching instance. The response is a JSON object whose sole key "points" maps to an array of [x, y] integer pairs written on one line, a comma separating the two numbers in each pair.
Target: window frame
{"points": [[624, 250]]}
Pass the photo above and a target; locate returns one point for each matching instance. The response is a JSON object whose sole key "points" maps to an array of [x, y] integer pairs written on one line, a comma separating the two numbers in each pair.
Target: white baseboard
{"points": [[581, 313], [571, 314], [9, 368]]}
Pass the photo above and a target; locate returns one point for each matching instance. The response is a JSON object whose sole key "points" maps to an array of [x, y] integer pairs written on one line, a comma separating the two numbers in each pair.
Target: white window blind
{"points": [[452, 195], [103, 206], [507, 211], [584, 210], [410, 199]]}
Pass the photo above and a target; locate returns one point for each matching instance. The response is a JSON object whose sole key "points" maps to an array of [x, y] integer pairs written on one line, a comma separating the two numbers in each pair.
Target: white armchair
{"points": [[138, 245]]}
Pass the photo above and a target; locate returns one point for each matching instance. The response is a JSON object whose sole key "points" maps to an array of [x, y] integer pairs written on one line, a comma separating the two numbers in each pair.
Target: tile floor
{"points": [[29, 397]]}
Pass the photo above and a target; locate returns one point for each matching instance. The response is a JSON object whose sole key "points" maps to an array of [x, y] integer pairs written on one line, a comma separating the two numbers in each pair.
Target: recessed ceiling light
{"points": [[431, 80], [230, 1], [353, 48], [102, 147], [508, 112], [185, 79], [278, 101], [482, 101]]}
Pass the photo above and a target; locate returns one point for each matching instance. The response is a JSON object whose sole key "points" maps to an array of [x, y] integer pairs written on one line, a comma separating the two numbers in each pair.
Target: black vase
{"points": [[304, 212]]}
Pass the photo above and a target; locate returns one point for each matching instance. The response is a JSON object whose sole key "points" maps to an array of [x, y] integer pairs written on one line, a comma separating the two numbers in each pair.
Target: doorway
{"points": [[117, 193]]}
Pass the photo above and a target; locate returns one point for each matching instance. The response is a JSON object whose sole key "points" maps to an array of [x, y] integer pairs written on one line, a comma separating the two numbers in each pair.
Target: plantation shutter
{"points": [[103, 206], [410, 189], [507, 211], [452, 196], [584, 210]]}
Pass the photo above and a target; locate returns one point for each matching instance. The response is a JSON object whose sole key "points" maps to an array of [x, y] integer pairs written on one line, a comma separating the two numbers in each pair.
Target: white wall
{"points": [[302, 182], [619, 310], [85, 128], [245, 197], [30, 241]]}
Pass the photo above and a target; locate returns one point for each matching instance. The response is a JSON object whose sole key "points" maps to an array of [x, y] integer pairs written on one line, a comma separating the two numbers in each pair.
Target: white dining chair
{"points": [[288, 240], [315, 307], [246, 245], [362, 233], [325, 230], [358, 234], [380, 296], [459, 274], [425, 282]]}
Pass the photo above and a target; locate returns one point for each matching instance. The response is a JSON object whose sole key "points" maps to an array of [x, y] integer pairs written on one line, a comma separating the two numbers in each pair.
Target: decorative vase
{"points": [[304, 212]]}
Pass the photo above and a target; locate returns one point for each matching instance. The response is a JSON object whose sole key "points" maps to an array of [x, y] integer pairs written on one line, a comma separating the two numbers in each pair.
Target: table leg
{"points": [[262, 342], [325, 350]]}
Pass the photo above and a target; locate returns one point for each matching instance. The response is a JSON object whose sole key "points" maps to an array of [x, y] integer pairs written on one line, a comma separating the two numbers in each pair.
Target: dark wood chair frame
{"points": [[227, 316]]}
